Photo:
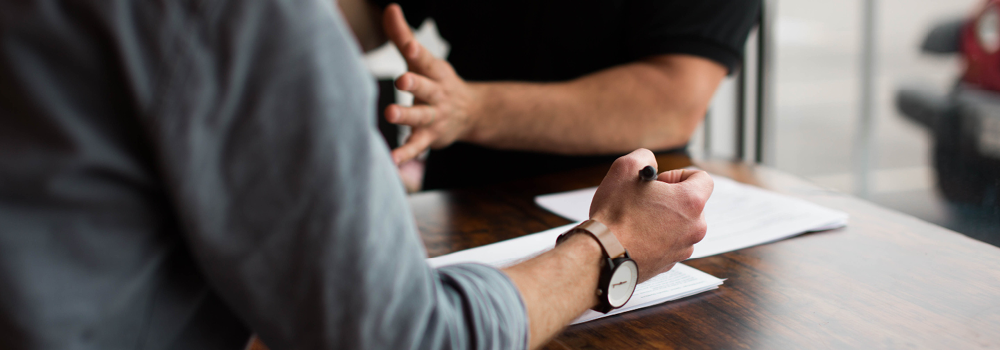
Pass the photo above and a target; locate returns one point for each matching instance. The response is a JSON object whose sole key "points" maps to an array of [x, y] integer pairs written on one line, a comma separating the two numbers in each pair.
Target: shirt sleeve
{"points": [[264, 133], [713, 29]]}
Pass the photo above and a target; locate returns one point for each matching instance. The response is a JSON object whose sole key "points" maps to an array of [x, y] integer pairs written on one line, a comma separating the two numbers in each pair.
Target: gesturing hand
{"points": [[658, 222], [443, 102]]}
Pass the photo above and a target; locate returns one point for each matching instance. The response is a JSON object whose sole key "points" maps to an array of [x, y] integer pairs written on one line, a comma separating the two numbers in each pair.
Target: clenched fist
{"points": [[659, 221]]}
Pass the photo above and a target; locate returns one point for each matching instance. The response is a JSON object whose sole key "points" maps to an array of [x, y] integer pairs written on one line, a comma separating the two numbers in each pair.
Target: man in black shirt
{"points": [[532, 87]]}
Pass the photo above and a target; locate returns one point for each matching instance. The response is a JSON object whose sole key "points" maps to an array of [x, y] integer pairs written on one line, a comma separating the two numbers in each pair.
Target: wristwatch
{"points": [[619, 273]]}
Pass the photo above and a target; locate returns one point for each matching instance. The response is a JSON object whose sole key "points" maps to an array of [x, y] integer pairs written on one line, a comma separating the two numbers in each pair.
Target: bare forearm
{"points": [[658, 222], [558, 286], [653, 104]]}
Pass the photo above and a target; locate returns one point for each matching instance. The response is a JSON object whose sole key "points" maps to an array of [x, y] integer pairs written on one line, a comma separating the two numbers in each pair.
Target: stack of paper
{"points": [[738, 215], [679, 282]]}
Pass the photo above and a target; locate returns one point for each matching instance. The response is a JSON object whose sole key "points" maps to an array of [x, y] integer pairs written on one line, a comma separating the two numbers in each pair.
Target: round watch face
{"points": [[623, 283]]}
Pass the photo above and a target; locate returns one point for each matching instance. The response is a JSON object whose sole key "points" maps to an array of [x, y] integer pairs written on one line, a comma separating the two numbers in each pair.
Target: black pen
{"points": [[647, 173]]}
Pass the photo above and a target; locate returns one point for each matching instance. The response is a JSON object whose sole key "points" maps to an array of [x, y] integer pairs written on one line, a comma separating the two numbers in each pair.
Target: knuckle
{"points": [[435, 65], [699, 231], [688, 201], [426, 61], [643, 152], [415, 83], [438, 65], [426, 143], [412, 117], [418, 114], [687, 253], [628, 161], [707, 182], [445, 68], [701, 198], [436, 95], [419, 146], [694, 200], [644, 156], [401, 115]]}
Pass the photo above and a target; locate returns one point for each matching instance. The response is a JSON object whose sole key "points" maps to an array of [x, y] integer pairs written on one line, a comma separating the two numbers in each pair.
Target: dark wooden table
{"points": [[887, 280]]}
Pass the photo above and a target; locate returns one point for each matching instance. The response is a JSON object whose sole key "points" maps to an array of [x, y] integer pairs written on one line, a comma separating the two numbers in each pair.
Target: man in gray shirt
{"points": [[177, 174]]}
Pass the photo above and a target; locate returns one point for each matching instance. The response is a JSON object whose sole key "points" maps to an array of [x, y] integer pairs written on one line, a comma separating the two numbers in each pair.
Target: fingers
{"points": [[412, 174], [699, 179], [416, 116], [423, 89], [396, 27], [690, 189], [693, 193], [671, 177], [677, 175], [418, 59], [416, 144], [694, 177]]}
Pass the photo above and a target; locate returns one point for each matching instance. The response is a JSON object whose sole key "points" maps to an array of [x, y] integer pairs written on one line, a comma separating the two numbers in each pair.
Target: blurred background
{"points": [[835, 118], [817, 99]]}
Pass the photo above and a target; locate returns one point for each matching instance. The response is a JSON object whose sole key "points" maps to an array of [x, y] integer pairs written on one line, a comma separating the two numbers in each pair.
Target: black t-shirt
{"points": [[556, 40]]}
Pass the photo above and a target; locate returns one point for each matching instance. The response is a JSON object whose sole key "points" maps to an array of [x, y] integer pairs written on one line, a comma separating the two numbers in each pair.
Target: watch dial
{"points": [[623, 283]]}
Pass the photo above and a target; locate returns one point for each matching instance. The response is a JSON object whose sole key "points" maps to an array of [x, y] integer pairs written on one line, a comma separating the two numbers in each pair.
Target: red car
{"points": [[966, 122]]}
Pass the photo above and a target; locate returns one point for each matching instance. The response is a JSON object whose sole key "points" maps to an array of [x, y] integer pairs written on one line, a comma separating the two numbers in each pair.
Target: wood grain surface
{"points": [[887, 280]]}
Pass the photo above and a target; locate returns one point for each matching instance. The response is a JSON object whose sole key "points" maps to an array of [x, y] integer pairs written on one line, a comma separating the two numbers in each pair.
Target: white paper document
{"points": [[738, 215], [679, 282]]}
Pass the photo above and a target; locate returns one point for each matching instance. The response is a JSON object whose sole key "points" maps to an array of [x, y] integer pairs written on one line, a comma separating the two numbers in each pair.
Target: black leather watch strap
{"points": [[610, 245]]}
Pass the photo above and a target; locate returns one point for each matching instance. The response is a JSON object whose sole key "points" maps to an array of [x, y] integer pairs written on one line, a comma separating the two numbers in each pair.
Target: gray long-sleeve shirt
{"points": [[174, 174]]}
